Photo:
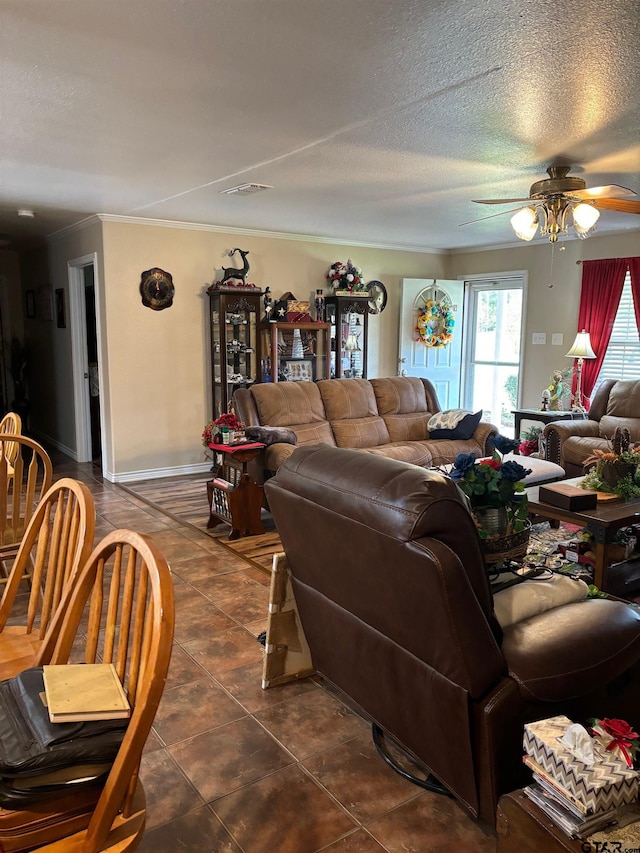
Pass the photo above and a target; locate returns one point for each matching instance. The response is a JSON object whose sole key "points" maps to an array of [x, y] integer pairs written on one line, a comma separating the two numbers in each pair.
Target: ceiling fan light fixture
{"points": [[525, 223], [585, 217]]}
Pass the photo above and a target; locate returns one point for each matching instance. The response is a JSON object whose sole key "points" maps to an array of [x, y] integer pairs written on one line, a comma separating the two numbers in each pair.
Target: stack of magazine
{"points": [[567, 811]]}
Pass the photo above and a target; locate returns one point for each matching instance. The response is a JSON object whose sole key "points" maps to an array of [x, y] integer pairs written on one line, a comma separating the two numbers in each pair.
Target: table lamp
{"points": [[581, 349]]}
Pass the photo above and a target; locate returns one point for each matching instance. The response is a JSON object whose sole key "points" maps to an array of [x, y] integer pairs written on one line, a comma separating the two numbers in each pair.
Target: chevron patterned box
{"points": [[603, 786]]}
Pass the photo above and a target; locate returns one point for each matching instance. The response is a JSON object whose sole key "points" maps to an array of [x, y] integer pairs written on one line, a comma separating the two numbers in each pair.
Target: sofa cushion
{"points": [[576, 448], [350, 407], [454, 424], [624, 400], [296, 405], [608, 426], [406, 451], [403, 405]]}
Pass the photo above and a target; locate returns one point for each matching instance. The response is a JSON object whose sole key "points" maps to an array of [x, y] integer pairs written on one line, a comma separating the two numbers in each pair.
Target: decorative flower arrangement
{"points": [[213, 428], [434, 325], [346, 277], [615, 470], [618, 738], [529, 441], [492, 484]]}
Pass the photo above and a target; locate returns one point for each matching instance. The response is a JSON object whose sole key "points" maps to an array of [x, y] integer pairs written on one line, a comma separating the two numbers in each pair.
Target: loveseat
{"points": [[385, 417], [615, 404], [396, 606]]}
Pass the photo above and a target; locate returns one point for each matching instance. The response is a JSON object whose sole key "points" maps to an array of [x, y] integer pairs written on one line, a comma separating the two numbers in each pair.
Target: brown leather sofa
{"points": [[385, 417], [396, 606], [615, 404]]}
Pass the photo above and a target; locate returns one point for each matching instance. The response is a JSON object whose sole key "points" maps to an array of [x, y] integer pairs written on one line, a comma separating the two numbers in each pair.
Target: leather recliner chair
{"points": [[615, 404], [395, 602]]}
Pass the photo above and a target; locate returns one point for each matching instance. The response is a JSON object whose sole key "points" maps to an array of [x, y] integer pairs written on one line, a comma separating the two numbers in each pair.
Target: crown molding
{"points": [[245, 232]]}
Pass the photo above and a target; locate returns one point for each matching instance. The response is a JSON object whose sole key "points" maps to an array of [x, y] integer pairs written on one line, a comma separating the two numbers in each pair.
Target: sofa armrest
{"points": [[555, 433], [484, 432]]}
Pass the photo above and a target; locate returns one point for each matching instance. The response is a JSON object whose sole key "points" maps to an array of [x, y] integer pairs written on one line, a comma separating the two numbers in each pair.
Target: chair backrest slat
{"points": [[22, 486]]}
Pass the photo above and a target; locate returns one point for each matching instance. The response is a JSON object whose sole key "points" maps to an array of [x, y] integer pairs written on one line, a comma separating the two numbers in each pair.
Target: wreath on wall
{"points": [[435, 323]]}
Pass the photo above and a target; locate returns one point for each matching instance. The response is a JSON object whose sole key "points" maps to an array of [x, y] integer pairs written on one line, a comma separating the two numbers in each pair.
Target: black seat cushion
{"points": [[553, 655]]}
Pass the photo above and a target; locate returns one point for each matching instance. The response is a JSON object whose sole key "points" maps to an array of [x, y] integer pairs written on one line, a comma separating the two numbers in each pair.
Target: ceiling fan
{"points": [[556, 199]]}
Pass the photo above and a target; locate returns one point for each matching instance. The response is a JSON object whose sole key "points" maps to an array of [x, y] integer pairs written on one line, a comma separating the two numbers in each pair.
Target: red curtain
{"points": [[602, 283], [634, 269]]}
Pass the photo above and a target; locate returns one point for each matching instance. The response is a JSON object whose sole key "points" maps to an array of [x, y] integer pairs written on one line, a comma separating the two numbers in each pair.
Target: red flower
{"points": [[492, 463], [618, 729]]}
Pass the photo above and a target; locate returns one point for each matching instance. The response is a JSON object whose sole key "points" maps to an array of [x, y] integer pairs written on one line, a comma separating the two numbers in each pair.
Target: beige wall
{"points": [[156, 392], [548, 309], [159, 379]]}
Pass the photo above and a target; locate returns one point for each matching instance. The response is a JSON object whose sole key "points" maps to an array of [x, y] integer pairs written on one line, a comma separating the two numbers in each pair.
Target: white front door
{"points": [[442, 364]]}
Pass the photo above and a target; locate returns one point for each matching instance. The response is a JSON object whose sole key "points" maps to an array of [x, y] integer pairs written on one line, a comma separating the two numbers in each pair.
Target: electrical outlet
{"points": [[539, 338], [556, 339]]}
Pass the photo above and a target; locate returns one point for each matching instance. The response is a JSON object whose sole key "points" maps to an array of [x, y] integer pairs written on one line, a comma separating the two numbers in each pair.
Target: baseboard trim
{"points": [[161, 473]]}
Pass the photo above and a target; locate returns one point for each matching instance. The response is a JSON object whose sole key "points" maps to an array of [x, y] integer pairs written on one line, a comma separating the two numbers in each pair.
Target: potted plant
{"points": [[615, 470], [495, 490]]}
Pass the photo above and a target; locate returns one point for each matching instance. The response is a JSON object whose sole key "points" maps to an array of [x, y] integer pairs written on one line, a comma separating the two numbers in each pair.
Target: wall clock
{"points": [[377, 297], [156, 289]]}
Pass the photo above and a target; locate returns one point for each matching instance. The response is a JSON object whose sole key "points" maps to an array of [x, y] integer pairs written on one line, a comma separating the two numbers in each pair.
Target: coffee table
{"points": [[602, 522]]}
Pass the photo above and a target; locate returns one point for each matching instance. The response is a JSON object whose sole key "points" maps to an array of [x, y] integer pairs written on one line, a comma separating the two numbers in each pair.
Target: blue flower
{"points": [[463, 462], [514, 471], [503, 444]]}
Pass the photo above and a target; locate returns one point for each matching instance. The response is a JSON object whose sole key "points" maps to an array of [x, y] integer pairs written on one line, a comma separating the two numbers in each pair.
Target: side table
{"points": [[234, 498], [543, 417]]}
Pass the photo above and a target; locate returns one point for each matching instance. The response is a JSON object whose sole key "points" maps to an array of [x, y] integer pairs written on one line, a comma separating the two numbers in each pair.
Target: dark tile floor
{"points": [[231, 768]]}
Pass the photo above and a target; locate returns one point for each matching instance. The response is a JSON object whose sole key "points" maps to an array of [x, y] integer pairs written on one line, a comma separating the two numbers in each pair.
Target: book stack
{"points": [[579, 798]]}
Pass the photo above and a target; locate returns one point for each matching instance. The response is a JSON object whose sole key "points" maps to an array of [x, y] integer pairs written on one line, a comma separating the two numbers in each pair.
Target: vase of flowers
{"points": [[615, 470], [495, 490], [346, 277], [227, 425]]}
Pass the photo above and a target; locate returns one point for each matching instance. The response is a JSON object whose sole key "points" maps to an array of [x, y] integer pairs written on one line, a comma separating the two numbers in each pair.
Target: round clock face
{"points": [[156, 289], [377, 297]]}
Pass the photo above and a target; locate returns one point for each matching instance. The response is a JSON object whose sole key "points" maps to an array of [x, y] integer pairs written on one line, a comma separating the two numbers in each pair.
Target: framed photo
{"points": [[297, 369], [30, 303], [61, 319]]}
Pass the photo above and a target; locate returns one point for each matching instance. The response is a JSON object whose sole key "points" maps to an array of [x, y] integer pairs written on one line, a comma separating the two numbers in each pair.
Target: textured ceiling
{"points": [[375, 121]]}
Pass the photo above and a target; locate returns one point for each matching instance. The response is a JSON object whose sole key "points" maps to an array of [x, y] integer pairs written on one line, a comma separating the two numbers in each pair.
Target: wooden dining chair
{"points": [[55, 546], [11, 423], [23, 483], [120, 611]]}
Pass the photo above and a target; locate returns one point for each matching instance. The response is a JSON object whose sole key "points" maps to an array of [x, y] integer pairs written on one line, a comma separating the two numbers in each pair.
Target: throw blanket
{"points": [[533, 597]]}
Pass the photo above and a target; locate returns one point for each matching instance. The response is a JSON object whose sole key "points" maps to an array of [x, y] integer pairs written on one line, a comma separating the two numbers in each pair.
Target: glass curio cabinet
{"points": [[349, 320], [234, 314]]}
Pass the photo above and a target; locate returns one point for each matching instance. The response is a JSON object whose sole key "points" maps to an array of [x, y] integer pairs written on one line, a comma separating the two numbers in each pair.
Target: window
{"points": [[622, 359]]}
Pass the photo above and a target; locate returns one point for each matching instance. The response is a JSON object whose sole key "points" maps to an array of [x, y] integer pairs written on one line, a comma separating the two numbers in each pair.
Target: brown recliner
{"points": [[396, 606], [615, 404]]}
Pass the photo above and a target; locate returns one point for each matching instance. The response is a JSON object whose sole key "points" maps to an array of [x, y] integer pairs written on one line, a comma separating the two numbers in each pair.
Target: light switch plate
{"points": [[556, 339], [539, 338]]}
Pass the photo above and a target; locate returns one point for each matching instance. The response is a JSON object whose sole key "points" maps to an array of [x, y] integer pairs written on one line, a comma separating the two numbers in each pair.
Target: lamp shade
{"points": [[585, 217], [351, 344], [525, 223], [581, 347]]}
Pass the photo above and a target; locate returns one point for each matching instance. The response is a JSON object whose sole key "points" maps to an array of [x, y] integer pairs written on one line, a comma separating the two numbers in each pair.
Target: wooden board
{"points": [[287, 656]]}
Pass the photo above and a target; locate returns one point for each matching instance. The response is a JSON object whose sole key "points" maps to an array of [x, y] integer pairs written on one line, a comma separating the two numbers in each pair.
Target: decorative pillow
{"points": [[533, 597], [271, 435], [454, 423]]}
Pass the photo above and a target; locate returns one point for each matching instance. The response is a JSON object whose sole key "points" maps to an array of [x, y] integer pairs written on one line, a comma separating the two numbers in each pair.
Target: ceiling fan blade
{"points": [[609, 191], [498, 200], [620, 205], [491, 216]]}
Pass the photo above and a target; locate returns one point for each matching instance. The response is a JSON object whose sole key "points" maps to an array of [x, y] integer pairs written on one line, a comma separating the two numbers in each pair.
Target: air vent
{"points": [[246, 189]]}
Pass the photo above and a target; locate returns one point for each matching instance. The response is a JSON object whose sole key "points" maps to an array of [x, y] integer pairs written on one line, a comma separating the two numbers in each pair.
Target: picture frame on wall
{"points": [[61, 317], [297, 369], [30, 304]]}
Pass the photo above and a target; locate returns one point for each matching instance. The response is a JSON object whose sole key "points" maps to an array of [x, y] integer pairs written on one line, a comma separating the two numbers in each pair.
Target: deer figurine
{"points": [[233, 272]]}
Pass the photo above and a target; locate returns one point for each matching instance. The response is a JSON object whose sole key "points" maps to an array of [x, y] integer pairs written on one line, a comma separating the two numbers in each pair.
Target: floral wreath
{"points": [[435, 323], [346, 277]]}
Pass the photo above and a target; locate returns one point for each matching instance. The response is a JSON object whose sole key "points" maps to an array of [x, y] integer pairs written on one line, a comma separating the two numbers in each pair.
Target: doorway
{"points": [[87, 368], [440, 364], [493, 348]]}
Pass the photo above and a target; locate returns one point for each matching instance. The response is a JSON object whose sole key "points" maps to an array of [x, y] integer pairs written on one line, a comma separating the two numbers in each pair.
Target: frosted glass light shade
{"points": [[525, 223], [585, 217]]}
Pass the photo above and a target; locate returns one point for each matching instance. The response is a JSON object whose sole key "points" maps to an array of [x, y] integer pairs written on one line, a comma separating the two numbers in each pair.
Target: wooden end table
{"points": [[234, 497], [602, 522]]}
